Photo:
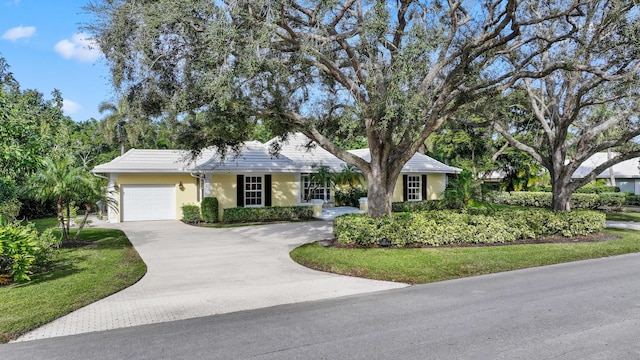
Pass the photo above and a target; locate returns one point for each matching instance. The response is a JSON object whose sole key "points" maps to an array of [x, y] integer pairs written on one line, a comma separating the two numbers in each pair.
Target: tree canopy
{"points": [[590, 100], [392, 71]]}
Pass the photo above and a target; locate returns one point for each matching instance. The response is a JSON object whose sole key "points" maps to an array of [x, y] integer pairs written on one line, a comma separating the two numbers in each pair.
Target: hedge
{"points": [[589, 189], [270, 213], [632, 200], [415, 205], [190, 214], [209, 209], [543, 199], [437, 228]]}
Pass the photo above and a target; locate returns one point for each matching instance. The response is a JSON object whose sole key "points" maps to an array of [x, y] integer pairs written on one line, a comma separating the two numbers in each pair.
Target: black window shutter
{"points": [[405, 187], [424, 187], [240, 189], [267, 190]]}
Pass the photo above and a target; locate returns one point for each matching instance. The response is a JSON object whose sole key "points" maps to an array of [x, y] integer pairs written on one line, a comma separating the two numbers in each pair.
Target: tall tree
{"points": [[392, 71], [590, 102], [123, 123]]}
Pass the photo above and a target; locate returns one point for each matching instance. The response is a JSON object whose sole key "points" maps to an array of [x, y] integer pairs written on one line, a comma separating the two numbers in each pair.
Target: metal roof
{"points": [[295, 156], [623, 170]]}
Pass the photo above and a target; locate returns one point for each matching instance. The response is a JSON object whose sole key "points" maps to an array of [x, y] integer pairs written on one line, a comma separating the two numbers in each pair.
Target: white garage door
{"points": [[148, 202]]}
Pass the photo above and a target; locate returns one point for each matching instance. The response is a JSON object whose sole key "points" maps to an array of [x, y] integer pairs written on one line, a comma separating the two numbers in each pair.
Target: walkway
{"points": [[195, 272]]}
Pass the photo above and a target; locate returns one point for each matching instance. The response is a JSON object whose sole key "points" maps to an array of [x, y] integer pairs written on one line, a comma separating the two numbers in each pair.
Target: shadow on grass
{"points": [[57, 270]]}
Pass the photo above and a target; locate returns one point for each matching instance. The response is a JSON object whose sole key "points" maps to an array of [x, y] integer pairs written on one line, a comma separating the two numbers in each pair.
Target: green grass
{"points": [[80, 276], [419, 266], [624, 216]]}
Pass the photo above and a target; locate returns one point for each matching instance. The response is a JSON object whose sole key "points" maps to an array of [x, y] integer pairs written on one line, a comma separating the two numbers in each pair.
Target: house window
{"points": [[413, 188], [253, 190], [314, 191]]}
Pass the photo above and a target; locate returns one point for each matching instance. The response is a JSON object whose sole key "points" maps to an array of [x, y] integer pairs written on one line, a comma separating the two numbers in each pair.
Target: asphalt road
{"points": [[582, 310]]}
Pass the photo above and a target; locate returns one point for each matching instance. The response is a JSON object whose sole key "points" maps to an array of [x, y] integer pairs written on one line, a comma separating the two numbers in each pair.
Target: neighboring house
{"points": [[626, 173], [155, 184]]}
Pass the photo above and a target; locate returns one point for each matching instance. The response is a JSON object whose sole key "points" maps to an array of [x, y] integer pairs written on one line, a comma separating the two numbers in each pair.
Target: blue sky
{"points": [[46, 50]]}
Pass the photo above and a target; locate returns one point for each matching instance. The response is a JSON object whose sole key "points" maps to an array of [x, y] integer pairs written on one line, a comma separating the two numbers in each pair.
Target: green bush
{"points": [[350, 197], [9, 209], [190, 214], [632, 199], [271, 213], [22, 249], [612, 199], [209, 209], [411, 206], [444, 227], [543, 199], [598, 189]]}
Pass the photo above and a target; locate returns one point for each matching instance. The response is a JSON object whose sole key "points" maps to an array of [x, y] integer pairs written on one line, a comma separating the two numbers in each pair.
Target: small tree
{"points": [[462, 190], [66, 184], [322, 176]]}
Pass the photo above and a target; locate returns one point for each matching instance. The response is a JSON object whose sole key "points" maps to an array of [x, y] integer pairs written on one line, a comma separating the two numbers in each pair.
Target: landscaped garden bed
{"points": [[447, 227]]}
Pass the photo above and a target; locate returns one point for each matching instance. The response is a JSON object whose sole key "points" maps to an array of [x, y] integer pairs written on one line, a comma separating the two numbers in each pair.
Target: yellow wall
{"points": [[223, 187], [188, 196], [435, 186], [284, 190]]}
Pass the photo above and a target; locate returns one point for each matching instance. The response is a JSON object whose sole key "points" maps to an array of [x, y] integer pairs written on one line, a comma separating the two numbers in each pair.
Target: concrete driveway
{"points": [[194, 272]]}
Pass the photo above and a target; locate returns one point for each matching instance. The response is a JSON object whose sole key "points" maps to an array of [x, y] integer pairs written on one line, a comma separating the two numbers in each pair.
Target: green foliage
{"points": [[411, 206], [437, 228], [209, 209], [190, 214], [632, 200], [543, 199], [350, 197], [596, 189], [273, 213], [10, 209], [22, 248], [461, 190]]}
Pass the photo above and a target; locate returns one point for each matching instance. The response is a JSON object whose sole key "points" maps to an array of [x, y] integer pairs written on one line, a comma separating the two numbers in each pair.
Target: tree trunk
{"points": [[381, 185], [84, 221], [562, 189], [63, 225]]}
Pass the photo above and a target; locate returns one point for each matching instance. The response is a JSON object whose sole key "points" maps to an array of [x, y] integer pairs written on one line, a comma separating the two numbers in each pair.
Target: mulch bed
{"points": [[599, 237]]}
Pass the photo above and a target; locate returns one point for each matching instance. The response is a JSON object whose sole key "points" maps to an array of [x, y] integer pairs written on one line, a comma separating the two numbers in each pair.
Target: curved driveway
{"points": [[194, 272]]}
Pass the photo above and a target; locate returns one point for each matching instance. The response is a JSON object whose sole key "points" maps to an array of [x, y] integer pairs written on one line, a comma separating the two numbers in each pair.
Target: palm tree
{"points": [[59, 181], [120, 123], [349, 175]]}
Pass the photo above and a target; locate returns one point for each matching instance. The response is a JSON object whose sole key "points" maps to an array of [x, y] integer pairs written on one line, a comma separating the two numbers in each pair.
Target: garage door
{"points": [[148, 202]]}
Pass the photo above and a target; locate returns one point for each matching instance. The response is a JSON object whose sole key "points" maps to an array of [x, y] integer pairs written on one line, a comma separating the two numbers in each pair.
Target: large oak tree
{"points": [[590, 103], [392, 71]]}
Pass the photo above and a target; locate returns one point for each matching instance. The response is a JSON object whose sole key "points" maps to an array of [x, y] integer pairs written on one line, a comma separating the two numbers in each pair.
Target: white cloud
{"points": [[70, 107], [81, 47], [19, 32]]}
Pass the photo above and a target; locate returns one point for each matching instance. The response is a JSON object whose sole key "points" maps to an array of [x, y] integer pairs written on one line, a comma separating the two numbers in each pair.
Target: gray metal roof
{"points": [[295, 156], [419, 163], [624, 170], [147, 161], [254, 158], [306, 153]]}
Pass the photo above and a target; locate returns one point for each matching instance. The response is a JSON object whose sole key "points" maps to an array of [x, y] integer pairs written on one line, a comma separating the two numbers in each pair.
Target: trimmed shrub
{"points": [[597, 189], [612, 199], [631, 199], [190, 214], [209, 209], [271, 213], [445, 227], [543, 199], [22, 249], [410, 206]]}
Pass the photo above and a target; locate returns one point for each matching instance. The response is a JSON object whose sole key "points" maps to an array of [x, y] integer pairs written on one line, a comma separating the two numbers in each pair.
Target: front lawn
{"points": [[624, 216], [424, 265], [79, 277]]}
